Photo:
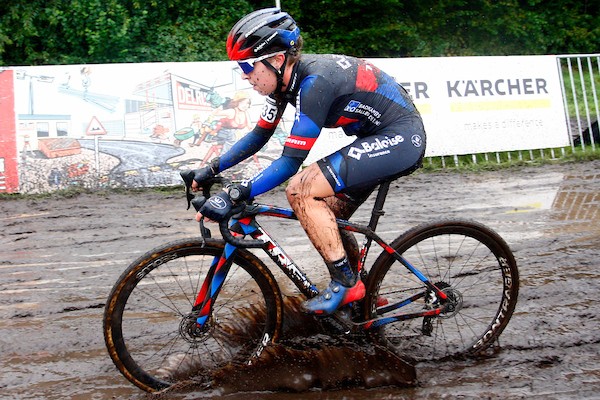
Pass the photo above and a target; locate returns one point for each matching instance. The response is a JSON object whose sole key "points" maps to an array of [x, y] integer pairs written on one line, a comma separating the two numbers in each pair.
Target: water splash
{"points": [[305, 358]]}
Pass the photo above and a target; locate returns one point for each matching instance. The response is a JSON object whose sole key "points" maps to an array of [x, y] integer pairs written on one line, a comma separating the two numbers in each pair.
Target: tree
{"points": [[97, 31], [101, 31]]}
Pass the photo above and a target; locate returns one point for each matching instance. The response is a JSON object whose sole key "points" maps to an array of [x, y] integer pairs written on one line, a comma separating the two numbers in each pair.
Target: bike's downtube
{"points": [[285, 263], [212, 283]]}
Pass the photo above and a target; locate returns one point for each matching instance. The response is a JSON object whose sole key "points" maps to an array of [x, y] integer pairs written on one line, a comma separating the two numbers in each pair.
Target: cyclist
{"points": [[327, 91]]}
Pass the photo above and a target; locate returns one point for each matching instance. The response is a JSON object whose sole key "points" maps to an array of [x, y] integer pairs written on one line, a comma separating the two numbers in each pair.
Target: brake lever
{"points": [[204, 231], [188, 179], [198, 202]]}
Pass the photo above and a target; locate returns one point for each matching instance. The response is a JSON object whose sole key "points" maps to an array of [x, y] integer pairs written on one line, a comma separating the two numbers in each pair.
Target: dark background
{"points": [[38, 32]]}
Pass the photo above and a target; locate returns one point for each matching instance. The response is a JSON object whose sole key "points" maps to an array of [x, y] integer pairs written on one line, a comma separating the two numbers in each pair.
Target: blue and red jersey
{"points": [[328, 91]]}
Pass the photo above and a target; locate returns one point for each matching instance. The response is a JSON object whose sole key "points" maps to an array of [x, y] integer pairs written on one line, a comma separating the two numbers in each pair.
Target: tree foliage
{"points": [[104, 31]]}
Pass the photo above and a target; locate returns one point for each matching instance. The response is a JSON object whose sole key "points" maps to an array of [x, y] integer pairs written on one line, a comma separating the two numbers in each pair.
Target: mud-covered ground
{"points": [[60, 256]]}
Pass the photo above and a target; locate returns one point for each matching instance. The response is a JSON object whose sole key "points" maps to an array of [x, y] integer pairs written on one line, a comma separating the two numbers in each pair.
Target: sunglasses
{"points": [[247, 66]]}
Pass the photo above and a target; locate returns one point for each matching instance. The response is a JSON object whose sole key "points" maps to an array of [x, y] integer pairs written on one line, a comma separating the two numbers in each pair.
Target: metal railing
{"points": [[579, 77]]}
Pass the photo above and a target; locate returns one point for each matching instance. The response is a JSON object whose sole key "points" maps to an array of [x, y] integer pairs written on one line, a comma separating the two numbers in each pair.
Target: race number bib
{"points": [[269, 111]]}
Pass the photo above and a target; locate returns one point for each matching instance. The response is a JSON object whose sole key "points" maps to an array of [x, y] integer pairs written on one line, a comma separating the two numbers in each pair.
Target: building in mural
{"points": [[111, 125]]}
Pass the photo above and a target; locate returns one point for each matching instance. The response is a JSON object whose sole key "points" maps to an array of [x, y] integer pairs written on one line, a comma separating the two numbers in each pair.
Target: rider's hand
{"points": [[202, 174], [216, 208]]}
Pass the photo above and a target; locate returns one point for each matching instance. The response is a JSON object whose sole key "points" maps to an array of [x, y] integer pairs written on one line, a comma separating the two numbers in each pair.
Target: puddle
{"points": [[56, 274]]}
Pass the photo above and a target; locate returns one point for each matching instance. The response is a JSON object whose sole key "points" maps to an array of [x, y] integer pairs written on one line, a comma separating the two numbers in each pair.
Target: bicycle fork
{"points": [[212, 285], [221, 265]]}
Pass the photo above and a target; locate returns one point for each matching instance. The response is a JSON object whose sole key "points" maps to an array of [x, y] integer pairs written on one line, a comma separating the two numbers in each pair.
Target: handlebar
{"points": [[198, 202]]}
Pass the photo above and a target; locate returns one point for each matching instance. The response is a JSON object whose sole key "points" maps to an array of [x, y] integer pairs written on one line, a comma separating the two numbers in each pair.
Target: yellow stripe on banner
{"points": [[424, 108], [499, 105]]}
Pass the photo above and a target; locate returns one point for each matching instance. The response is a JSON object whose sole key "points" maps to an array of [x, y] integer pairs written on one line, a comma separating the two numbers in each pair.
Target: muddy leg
{"points": [[345, 209], [306, 194]]}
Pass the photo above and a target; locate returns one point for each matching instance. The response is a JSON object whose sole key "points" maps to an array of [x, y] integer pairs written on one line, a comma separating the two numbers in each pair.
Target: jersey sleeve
{"points": [[245, 147], [256, 138], [274, 175], [312, 105]]}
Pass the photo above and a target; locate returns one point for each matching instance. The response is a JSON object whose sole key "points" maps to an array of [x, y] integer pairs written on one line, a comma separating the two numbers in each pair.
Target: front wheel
{"points": [[150, 332], [475, 268]]}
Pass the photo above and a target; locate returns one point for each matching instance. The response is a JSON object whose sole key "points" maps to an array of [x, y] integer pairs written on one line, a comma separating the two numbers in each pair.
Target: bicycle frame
{"points": [[247, 225]]}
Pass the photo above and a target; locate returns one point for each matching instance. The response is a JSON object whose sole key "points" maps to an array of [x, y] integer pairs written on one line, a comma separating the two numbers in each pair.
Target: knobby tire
{"points": [[470, 262], [145, 316]]}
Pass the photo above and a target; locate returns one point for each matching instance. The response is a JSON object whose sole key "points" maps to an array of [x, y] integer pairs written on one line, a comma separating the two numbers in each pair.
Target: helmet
{"points": [[262, 32]]}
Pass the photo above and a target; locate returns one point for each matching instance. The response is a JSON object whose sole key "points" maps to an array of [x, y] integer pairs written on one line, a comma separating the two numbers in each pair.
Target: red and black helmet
{"points": [[262, 32]]}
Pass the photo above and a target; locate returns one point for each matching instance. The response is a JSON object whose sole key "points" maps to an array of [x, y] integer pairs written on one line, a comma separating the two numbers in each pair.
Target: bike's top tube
{"points": [[283, 212]]}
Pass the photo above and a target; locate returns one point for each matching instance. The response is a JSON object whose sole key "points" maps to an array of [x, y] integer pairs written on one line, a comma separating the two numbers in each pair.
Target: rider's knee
{"points": [[292, 191]]}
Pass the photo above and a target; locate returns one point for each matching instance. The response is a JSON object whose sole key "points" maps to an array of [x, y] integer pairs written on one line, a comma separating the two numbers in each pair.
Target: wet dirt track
{"points": [[60, 257]]}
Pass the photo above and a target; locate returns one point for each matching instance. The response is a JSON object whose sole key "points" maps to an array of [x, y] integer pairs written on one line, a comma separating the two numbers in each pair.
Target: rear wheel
{"points": [[471, 264], [150, 333]]}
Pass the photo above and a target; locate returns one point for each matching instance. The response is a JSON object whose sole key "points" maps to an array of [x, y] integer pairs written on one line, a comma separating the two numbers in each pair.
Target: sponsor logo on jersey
{"points": [[297, 115], [299, 142], [375, 148], [370, 113], [416, 140]]}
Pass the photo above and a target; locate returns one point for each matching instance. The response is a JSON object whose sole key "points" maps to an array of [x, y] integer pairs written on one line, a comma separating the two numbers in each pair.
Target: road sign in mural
{"points": [[149, 121]]}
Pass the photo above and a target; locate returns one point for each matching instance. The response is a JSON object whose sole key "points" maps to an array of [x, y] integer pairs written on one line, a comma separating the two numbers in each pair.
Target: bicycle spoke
{"points": [[151, 327], [463, 260]]}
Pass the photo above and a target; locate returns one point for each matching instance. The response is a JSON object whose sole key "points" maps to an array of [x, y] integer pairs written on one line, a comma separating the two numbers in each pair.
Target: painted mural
{"points": [[121, 125], [125, 125]]}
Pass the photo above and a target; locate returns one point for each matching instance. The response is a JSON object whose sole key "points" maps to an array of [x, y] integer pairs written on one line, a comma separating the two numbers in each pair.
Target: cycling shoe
{"points": [[333, 297]]}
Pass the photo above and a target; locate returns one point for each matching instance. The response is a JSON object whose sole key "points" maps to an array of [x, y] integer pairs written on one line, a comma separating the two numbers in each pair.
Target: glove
{"points": [[202, 174], [217, 207], [239, 192]]}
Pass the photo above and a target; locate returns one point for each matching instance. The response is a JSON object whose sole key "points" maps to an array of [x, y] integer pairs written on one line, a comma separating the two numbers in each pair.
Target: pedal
{"points": [[338, 323]]}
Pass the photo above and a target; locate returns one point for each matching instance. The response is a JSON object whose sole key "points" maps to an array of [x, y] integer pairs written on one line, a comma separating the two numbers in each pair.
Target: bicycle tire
{"points": [[145, 315], [471, 263]]}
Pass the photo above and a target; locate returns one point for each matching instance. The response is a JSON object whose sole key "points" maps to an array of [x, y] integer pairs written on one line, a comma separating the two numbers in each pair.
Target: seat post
{"points": [[378, 206]]}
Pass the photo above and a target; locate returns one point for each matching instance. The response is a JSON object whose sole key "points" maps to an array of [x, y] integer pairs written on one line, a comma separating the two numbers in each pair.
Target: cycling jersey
{"points": [[331, 91]]}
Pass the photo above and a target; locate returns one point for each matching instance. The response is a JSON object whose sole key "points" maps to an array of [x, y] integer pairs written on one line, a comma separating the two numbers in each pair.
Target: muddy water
{"points": [[60, 256]]}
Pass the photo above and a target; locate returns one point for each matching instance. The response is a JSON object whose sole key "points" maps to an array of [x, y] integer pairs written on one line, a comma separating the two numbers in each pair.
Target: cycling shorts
{"points": [[355, 170]]}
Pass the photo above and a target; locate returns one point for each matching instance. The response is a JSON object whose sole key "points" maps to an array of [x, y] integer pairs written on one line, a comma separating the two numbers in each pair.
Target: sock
{"points": [[341, 272]]}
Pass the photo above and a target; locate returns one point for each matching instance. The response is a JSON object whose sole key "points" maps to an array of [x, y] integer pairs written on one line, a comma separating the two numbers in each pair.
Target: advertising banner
{"points": [[139, 124], [485, 104]]}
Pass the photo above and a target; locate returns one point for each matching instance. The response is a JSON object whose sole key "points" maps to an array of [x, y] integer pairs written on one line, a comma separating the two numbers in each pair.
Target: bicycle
{"points": [[194, 305]]}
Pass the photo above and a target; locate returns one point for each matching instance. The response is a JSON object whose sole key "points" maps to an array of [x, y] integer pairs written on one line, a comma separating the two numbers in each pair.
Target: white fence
{"points": [[579, 77]]}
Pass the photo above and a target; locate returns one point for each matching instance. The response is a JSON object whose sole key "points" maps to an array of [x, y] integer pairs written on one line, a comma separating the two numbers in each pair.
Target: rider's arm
{"points": [[274, 175], [256, 138], [311, 110], [245, 147]]}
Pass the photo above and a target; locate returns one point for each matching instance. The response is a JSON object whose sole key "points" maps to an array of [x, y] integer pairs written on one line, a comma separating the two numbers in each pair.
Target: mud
{"points": [[60, 256]]}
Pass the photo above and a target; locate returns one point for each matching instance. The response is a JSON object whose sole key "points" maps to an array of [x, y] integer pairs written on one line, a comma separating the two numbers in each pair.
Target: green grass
{"points": [[497, 161], [574, 80]]}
